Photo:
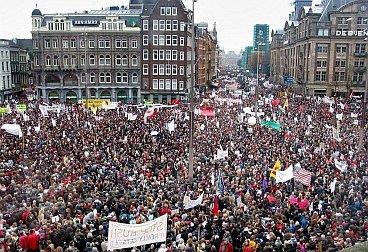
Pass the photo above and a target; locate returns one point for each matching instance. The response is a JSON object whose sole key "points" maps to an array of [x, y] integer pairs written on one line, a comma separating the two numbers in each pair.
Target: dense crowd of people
{"points": [[74, 170]]}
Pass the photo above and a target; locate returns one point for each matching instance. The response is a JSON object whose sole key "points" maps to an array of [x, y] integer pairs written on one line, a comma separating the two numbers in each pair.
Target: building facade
{"points": [[93, 54], [166, 49], [5, 70], [324, 51]]}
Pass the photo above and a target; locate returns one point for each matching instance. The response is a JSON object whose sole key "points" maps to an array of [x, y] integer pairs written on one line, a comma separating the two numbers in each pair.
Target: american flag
{"points": [[303, 176]]}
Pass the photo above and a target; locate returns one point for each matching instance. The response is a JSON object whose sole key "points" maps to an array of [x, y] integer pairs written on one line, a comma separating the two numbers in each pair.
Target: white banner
{"points": [[133, 235], [188, 203]]}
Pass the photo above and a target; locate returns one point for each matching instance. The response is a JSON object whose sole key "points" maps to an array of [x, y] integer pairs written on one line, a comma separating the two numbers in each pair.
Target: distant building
{"points": [[247, 57], [323, 50], [230, 60], [261, 49]]}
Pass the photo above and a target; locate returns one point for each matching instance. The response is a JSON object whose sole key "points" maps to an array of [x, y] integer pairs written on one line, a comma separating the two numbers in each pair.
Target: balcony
{"points": [[71, 83], [359, 68], [360, 54], [51, 68]]}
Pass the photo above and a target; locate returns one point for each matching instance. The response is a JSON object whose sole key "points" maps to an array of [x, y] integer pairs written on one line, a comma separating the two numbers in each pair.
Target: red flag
{"points": [[215, 209], [207, 111], [175, 102], [275, 102], [150, 113]]}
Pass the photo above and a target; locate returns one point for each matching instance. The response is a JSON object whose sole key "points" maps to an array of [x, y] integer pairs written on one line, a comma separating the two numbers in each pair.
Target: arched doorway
{"points": [[54, 95], [122, 96], [105, 95], [70, 80], [71, 96], [52, 79]]}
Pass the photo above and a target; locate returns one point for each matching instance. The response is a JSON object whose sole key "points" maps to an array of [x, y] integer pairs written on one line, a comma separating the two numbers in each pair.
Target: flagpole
{"points": [[191, 105]]}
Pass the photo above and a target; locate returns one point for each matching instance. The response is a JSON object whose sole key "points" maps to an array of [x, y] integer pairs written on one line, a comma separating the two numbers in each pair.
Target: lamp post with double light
{"points": [[364, 110], [259, 43]]}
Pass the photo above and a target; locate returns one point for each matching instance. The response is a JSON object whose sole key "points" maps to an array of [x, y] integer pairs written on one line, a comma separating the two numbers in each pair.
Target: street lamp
{"points": [[85, 68], [257, 84], [362, 122], [191, 105]]}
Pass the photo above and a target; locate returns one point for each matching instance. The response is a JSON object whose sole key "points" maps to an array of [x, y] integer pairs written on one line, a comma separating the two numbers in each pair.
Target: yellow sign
{"points": [[95, 103]]}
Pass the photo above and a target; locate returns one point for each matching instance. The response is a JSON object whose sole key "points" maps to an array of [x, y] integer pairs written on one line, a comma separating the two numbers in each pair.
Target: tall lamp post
{"points": [[191, 96], [85, 68], [364, 111], [257, 80]]}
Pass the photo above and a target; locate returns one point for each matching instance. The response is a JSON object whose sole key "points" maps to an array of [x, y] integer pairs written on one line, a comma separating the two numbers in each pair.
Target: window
{"points": [[118, 60], [167, 84], [341, 48], [155, 25], [55, 61], [181, 55], [174, 11], [91, 43], [155, 55], [340, 63], [182, 26], [125, 60], [48, 61], [83, 78], [174, 84], [47, 43], [92, 78], [182, 41], [65, 43], [108, 77], [66, 60], [145, 25], [118, 78], [35, 60], [322, 48], [72, 43], [359, 48], [321, 63], [155, 69], [343, 20], [168, 11], [145, 54], [174, 70], [125, 78], [162, 69], [339, 76], [118, 43], [181, 70], [359, 63], [134, 43], [174, 55], [168, 39], [161, 83], [134, 60], [91, 59], [162, 11], [101, 60], [168, 55], [174, 25], [35, 44], [107, 44], [168, 69], [168, 25], [145, 69], [162, 54], [162, 25], [162, 40], [108, 60], [82, 43], [124, 43], [323, 32], [73, 60], [102, 78], [181, 85], [54, 43], [174, 40], [362, 20], [321, 76], [358, 77], [134, 78], [145, 39], [155, 84], [155, 39]]}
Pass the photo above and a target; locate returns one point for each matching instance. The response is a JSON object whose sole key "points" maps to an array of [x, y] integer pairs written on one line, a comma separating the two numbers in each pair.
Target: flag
{"points": [[175, 102], [171, 126], [13, 129], [276, 167], [275, 102], [21, 107], [222, 154], [341, 165], [333, 185], [188, 203], [174, 170], [207, 111], [132, 117], [220, 184], [283, 176], [215, 209], [264, 184], [148, 103], [303, 176], [286, 103], [150, 113], [271, 124]]}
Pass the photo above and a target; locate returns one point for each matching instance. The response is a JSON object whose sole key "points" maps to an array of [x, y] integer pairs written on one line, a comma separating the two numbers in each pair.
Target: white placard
{"points": [[133, 235]]}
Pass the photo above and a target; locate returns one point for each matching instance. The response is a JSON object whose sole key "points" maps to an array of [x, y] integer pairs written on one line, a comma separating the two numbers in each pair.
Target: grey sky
{"points": [[234, 18]]}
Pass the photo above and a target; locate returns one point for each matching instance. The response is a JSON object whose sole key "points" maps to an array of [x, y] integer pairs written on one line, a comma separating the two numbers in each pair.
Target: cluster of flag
{"points": [[297, 173]]}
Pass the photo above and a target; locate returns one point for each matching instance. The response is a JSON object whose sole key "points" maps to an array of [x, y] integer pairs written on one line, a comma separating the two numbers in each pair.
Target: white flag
{"points": [[13, 129], [283, 176], [132, 117], [193, 203], [333, 185], [171, 126], [341, 165]]}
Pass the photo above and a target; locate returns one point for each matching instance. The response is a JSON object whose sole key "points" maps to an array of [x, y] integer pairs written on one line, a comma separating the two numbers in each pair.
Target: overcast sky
{"points": [[234, 18]]}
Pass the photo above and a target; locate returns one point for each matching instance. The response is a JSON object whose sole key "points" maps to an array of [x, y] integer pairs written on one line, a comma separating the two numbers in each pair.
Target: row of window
{"points": [[164, 69], [163, 55], [4, 54], [162, 40], [167, 84], [72, 43], [164, 25], [346, 20], [339, 76], [103, 60], [6, 82], [106, 78], [359, 48]]}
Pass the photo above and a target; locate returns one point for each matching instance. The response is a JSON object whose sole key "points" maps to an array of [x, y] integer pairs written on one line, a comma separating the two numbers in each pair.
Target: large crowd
{"points": [[74, 170]]}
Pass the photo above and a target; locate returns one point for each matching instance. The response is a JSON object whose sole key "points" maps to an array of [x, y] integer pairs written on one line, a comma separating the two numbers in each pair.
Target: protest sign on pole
{"points": [[132, 235]]}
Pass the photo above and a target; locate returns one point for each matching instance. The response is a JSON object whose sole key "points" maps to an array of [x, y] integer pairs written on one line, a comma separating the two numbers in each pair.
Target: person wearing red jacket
{"points": [[226, 246], [33, 240], [23, 241]]}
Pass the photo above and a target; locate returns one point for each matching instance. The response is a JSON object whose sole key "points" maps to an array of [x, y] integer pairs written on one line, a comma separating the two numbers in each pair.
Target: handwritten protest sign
{"points": [[131, 235]]}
